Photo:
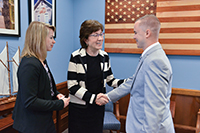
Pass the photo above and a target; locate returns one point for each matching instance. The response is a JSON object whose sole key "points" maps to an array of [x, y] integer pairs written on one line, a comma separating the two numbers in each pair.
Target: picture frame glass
{"points": [[10, 18], [43, 11]]}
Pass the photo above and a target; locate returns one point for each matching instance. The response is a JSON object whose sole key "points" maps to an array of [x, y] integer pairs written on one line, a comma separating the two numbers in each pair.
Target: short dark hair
{"points": [[87, 28]]}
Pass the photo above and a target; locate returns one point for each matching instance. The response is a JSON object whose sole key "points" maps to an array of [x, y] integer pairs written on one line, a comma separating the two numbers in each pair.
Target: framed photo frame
{"points": [[10, 18], [42, 11]]}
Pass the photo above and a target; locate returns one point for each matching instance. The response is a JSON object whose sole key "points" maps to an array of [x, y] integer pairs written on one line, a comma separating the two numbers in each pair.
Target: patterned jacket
{"points": [[79, 94]]}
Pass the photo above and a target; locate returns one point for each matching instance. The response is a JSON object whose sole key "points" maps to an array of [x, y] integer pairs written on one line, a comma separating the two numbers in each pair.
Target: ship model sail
{"points": [[15, 65], [5, 79]]}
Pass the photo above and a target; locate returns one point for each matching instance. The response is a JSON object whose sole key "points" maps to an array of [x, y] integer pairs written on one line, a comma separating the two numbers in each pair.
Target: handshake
{"points": [[101, 99]]}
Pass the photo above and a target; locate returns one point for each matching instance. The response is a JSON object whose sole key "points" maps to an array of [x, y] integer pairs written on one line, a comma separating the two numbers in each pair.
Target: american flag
{"points": [[180, 25]]}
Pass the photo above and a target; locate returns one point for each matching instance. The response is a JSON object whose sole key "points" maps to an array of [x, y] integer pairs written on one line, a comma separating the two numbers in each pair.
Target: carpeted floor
{"points": [[105, 131]]}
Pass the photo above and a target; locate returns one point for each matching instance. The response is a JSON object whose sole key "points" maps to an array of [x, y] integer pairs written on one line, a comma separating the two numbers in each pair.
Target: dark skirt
{"points": [[86, 119]]}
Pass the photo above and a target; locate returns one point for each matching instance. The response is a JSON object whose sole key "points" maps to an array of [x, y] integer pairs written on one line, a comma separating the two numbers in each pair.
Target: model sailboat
{"points": [[5, 78]]}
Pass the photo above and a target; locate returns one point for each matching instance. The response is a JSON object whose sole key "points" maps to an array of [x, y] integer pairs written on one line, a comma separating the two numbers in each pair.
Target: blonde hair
{"points": [[150, 22], [35, 40]]}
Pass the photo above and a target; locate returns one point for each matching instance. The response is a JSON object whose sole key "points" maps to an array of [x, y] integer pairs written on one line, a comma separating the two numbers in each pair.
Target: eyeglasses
{"points": [[97, 35]]}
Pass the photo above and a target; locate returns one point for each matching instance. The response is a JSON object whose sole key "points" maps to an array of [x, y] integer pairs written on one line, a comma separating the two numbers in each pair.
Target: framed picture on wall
{"points": [[43, 11], [10, 18]]}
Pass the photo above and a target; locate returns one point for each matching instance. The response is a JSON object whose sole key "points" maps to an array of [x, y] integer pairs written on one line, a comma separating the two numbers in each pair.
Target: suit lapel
{"points": [[146, 55], [137, 70], [142, 60]]}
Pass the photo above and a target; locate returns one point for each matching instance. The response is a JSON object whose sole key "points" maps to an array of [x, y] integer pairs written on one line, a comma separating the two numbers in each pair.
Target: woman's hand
{"points": [[66, 101], [60, 96]]}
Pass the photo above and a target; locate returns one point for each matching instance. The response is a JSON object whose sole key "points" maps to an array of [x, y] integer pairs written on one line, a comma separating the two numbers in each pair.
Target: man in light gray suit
{"points": [[150, 86]]}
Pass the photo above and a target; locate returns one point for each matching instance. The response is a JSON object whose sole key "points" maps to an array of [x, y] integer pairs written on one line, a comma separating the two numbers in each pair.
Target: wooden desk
{"points": [[61, 117], [6, 108], [6, 122]]}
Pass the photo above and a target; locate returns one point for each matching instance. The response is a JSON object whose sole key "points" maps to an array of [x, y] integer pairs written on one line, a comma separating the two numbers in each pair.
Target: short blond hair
{"points": [[150, 22], [35, 40]]}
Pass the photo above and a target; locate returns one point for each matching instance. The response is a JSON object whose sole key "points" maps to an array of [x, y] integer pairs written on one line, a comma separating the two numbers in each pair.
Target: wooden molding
{"points": [[167, 51], [186, 92], [61, 85]]}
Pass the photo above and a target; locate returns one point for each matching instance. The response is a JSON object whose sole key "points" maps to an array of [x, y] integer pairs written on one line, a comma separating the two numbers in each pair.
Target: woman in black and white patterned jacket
{"points": [[88, 72]]}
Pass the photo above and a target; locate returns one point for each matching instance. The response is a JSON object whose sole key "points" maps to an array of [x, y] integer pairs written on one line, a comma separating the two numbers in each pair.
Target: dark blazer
{"points": [[34, 104]]}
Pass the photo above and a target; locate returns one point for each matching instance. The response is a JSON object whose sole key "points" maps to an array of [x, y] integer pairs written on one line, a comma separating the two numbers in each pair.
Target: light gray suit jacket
{"points": [[150, 92]]}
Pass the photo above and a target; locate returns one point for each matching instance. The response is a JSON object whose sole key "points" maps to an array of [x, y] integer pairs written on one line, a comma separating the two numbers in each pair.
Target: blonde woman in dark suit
{"points": [[37, 96]]}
